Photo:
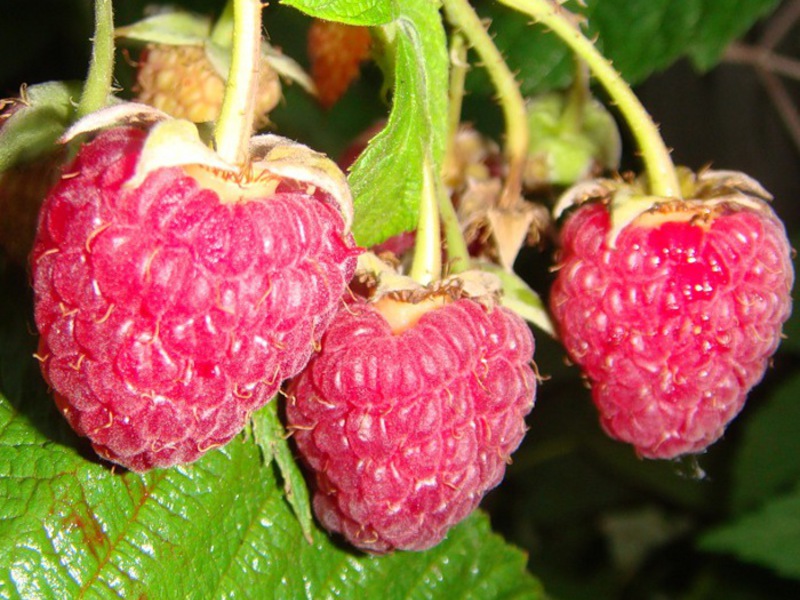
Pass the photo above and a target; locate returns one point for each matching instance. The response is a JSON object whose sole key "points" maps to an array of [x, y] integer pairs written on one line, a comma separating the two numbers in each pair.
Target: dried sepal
{"points": [[286, 158]]}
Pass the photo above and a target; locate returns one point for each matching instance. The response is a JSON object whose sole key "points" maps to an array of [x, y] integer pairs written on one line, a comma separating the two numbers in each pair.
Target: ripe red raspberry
{"points": [[172, 308], [673, 320], [407, 421], [336, 52]]}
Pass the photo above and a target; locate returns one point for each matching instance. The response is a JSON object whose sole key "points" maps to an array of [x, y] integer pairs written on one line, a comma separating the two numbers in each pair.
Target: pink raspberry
{"points": [[169, 311], [675, 321], [406, 423]]}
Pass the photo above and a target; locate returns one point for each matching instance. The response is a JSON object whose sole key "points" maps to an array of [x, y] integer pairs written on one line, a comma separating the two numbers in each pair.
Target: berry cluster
{"points": [[183, 276]]}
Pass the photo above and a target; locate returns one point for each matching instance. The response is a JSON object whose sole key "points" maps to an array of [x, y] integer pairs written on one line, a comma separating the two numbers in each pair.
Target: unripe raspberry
{"points": [[183, 82]]}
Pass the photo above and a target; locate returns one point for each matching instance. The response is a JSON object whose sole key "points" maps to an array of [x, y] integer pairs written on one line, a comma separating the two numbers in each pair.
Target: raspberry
{"points": [[674, 320], [171, 309], [409, 414], [336, 52], [182, 81]]}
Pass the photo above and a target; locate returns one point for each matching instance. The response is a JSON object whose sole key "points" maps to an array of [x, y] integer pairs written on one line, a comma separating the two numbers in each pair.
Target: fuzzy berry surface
{"points": [[406, 432], [167, 315], [674, 324]]}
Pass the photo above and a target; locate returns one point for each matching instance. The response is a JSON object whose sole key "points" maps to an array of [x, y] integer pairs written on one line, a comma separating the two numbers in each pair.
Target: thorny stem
{"points": [[101, 68], [463, 16], [235, 124], [660, 170], [427, 264], [457, 252]]}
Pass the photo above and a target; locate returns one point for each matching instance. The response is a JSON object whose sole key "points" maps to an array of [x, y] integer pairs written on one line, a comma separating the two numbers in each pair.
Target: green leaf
{"points": [[639, 36], [387, 178], [72, 527], [173, 28], [32, 130], [718, 25], [519, 297], [354, 12], [270, 435], [769, 537], [769, 460]]}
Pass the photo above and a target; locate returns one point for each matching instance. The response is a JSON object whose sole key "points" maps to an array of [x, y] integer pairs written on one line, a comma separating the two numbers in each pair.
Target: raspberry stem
{"points": [[101, 68], [463, 16], [457, 252], [427, 264], [235, 124], [458, 76], [658, 164]]}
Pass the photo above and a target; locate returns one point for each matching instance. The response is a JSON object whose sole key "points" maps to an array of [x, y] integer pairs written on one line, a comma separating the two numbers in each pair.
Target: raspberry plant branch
{"points": [[663, 179], [101, 68], [235, 123], [463, 16]]}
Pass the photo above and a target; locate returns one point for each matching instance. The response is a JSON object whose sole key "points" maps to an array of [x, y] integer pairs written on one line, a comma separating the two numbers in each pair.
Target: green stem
{"points": [[427, 264], [577, 95], [463, 16], [235, 124], [101, 68], [457, 252], [658, 164], [458, 76]]}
